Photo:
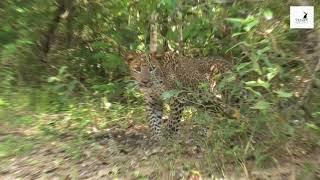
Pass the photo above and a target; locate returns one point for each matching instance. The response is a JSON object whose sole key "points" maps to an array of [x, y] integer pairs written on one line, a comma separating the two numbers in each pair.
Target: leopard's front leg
{"points": [[154, 108], [176, 109]]}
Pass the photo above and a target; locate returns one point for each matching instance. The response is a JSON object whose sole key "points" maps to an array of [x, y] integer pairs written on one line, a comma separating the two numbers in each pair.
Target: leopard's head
{"points": [[135, 61], [139, 67]]}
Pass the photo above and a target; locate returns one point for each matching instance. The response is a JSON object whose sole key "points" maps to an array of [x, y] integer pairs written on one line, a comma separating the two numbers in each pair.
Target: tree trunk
{"points": [[47, 38], [180, 28], [153, 33]]}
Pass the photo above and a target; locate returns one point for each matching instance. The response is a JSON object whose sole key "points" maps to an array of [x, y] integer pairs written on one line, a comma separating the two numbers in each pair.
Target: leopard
{"points": [[158, 73]]}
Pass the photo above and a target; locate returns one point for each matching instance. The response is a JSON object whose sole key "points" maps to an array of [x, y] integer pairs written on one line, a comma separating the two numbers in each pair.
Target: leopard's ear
{"points": [[128, 57]]}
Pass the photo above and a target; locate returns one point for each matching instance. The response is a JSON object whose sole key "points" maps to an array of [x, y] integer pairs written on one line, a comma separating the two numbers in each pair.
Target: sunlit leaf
{"points": [[254, 92], [250, 25], [20, 10], [255, 64], [237, 21], [282, 94], [169, 94], [261, 105], [242, 65], [3, 103], [53, 79], [268, 14], [272, 73], [263, 50], [238, 34], [62, 70], [258, 83]]}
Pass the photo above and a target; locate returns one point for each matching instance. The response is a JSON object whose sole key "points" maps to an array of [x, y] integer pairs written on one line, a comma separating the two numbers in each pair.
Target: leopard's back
{"points": [[187, 72]]}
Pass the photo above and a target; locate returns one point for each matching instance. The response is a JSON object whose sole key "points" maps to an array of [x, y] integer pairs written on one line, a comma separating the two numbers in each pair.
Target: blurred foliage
{"points": [[69, 62]]}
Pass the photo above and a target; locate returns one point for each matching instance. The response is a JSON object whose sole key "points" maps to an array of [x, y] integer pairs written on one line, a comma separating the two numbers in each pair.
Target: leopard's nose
{"points": [[144, 81], [151, 68]]}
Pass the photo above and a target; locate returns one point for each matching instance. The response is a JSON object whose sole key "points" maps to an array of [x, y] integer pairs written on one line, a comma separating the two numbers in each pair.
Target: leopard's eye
{"points": [[138, 69]]}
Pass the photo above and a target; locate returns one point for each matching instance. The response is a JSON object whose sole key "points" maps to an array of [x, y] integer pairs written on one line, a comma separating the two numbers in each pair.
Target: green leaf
{"points": [[272, 73], [9, 50], [261, 105], [3, 103], [236, 21], [169, 94], [314, 127], [250, 25], [263, 83], [258, 83], [20, 10], [283, 94], [228, 79], [243, 65], [239, 43], [255, 64], [53, 79], [263, 50], [62, 70], [268, 14], [238, 34], [254, 92]]}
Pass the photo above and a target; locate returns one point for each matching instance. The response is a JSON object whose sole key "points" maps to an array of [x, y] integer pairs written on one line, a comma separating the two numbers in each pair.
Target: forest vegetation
{"points": [[70, 109]]}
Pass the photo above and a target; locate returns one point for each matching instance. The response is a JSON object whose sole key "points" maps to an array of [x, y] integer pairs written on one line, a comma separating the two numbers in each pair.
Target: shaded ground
{"points": [[128, 154]]}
